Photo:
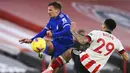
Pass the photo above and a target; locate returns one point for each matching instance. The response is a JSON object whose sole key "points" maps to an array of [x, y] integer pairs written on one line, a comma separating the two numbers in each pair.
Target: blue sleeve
{"points": [[42, 33], [66, 28]]}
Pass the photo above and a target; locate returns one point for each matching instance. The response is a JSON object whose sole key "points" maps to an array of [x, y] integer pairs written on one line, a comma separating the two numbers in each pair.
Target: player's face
{"points": [[53, 12]]}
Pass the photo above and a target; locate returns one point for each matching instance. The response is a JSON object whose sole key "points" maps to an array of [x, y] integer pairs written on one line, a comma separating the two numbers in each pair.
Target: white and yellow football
{"points": [[38, 45]]}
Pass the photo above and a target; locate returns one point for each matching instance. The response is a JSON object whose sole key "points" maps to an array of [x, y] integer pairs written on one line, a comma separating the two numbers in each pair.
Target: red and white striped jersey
{"points": [[102, 46]]}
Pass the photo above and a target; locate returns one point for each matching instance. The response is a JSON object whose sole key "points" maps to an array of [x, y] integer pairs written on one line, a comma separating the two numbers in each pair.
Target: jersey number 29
{"points": [[109, 46]]}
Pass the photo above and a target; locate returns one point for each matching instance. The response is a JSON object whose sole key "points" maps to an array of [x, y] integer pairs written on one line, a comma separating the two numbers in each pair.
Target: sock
{"points": [[59, 61]]}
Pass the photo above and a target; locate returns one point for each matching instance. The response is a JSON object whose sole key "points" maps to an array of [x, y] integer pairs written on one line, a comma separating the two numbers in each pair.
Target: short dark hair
{"points": [[56, 4], [110, 24]]}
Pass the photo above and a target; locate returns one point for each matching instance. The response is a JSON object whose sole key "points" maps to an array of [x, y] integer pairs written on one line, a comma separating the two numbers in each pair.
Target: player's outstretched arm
{"points": [[81, 39], [59, 61], [25, 40]]}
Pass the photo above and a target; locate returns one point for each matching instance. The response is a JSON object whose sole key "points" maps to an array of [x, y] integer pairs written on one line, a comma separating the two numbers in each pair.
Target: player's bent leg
{"points": [[55, 70], [67, 55], [48, 70], [59, 61], [50, 48]]}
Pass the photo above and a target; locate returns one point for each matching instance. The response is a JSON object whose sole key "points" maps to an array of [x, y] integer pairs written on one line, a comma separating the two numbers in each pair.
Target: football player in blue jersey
{"points": [[59, 28]]}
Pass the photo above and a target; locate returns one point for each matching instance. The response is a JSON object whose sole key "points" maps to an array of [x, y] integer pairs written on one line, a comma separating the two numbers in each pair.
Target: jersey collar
{"points": [[58, 15], [108, 31]]}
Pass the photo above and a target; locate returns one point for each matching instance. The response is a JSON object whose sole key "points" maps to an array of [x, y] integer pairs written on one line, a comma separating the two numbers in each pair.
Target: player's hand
{"points": [[49, 33], [25, 41], [73, 26]]}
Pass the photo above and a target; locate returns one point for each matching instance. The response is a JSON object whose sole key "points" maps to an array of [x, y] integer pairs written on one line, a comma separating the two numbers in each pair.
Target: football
{"points": [[38, 45]]}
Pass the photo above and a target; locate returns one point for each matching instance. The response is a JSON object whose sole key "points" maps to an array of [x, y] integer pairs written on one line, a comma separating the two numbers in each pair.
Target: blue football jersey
{"points": [[60, 28]]}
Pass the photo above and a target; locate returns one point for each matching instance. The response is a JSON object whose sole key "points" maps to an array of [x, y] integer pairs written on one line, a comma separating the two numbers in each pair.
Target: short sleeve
{"points": [[119, 46], [92, 34], [65, 22]]}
